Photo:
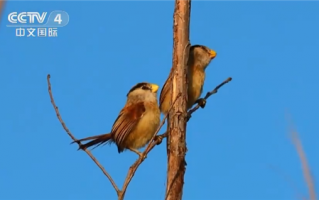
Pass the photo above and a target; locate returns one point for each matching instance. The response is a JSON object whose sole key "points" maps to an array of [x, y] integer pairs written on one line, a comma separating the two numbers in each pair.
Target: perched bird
{"points": [[199, 58], [136, 123]]}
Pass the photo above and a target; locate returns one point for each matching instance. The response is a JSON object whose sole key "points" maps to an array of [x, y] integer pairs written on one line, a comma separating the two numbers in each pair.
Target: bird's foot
{"points": [[201, 102], [158, 139]]}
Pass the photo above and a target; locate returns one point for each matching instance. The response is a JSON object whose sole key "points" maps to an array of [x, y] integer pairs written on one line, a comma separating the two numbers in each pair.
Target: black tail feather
{"points": [[96, 140]]}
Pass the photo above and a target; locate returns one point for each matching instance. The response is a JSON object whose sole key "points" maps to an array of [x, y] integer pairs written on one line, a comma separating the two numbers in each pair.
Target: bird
{"points": [[136, 123], [199, 58]]}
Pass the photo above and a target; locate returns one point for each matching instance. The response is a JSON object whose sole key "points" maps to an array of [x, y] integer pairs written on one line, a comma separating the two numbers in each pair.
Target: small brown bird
{"points": [[136, 123], [199, 58]]}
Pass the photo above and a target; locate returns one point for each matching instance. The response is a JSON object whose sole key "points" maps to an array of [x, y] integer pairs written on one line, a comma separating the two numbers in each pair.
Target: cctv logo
{"points": [[14, 17]]}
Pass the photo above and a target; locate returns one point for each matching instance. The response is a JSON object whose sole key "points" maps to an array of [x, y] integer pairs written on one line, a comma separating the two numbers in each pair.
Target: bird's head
{"points": [[201, 55], [143, 92]]}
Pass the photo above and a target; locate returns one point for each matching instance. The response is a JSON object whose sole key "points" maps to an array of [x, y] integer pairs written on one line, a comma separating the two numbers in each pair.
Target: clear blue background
{"points": [[238, 146]]}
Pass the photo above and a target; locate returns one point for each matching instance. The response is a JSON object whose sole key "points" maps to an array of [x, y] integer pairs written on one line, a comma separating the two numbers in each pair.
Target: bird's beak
{"points": [[212, 54], [154, 88]]}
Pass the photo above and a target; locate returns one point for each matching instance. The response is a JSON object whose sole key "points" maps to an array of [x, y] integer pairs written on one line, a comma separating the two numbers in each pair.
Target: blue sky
{"points": [[238, 146]]}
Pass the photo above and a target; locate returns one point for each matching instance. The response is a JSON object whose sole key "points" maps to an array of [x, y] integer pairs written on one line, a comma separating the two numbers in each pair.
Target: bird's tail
{"points": [[97, 140]]}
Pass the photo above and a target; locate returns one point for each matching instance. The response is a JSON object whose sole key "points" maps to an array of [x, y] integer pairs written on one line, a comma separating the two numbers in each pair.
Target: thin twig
{"points": [[148, 148], [305, 166], [214, 91], [303, 158], [74, 139]]}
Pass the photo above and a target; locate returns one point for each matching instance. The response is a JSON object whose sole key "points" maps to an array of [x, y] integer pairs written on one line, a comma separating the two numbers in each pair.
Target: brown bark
{"points": [[176, 145]]}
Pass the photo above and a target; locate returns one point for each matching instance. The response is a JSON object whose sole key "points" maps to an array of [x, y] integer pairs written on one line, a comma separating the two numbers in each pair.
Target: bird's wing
{"points": [[166, 88], [126, 121]]}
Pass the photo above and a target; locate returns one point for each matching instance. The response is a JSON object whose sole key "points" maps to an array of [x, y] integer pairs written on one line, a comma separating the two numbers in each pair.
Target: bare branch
{"points": [[305, 166], [214, 91], [176, 141], [303, 158], [73, 138]]}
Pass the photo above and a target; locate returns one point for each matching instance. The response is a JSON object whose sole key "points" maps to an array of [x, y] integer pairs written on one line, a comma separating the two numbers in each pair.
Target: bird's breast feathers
{"points": [[145, 128], [195, 86]]}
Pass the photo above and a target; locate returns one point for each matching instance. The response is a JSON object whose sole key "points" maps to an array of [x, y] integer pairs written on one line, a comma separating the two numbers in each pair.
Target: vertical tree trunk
{"points": [[176, 146]]}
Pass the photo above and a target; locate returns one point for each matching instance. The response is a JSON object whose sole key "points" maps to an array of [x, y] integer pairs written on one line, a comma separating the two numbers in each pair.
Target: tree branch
{"points": [[73, 138], [176, 145], [214, 91], [303, 158], [305, 166]]}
